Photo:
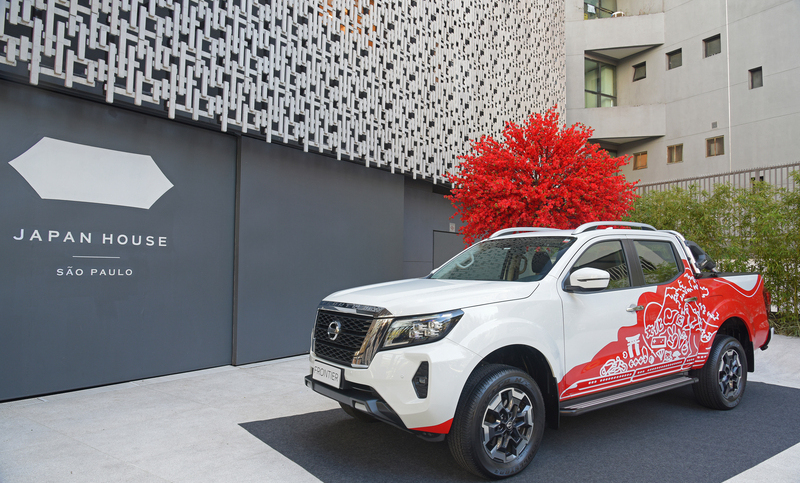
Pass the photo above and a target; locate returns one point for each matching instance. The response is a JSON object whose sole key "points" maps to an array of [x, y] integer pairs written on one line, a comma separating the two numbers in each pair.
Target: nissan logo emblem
{"points": [[333, 329]]}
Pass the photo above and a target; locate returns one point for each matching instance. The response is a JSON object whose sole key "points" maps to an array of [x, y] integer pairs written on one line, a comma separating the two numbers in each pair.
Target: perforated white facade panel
{"points": [[398, 84]]}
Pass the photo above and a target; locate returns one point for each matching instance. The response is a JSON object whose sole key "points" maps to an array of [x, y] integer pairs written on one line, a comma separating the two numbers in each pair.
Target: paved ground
{"points": [[250, 423]]}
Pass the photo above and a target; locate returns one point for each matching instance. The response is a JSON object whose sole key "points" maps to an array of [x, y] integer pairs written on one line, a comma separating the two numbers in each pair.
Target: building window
{"points": [[675, 154], [712, 46], [715, 146], [601, 84], [674, 59], [640, 160], [639, 71], [599, 9], [756, 78]]}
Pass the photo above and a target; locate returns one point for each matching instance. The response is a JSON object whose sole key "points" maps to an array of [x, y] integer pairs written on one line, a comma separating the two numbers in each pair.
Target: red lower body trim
{"points": [[443, 428]]}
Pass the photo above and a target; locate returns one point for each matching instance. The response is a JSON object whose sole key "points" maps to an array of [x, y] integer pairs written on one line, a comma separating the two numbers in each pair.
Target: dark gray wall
{"points": [[172, 314], [425, 212], [308, 226], [446, 245]]}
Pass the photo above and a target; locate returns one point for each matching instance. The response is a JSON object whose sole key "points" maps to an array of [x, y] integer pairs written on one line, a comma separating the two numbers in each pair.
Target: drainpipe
{"points": [[728, 58]]}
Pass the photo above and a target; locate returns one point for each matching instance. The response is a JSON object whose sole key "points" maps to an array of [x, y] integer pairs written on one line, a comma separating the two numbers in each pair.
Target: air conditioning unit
{"points": [[618, 14]]}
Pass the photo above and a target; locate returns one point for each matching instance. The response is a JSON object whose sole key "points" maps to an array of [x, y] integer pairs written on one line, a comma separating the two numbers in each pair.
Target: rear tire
{"points": [[499, 422], [723, 378]]}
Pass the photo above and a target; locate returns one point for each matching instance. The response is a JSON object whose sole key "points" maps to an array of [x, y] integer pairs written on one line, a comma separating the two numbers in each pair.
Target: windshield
{"points": [[510, 259]]}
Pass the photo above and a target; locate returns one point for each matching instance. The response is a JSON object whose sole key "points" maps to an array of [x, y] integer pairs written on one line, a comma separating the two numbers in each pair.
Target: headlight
{"points": [[420, 330]]}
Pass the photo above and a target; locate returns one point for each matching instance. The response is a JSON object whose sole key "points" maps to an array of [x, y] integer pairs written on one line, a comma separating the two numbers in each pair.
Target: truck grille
{"points": [[348, 343]]}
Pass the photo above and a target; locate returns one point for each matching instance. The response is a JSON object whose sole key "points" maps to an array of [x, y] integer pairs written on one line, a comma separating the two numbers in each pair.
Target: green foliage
{"points": [[743, 229]]}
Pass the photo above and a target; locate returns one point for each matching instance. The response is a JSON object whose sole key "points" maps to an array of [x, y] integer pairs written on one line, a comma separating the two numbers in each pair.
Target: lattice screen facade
{"points": [[398, 84]]}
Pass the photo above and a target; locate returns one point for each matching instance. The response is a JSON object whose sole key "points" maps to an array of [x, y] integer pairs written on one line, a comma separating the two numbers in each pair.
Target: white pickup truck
{"points": [[533, 324]]}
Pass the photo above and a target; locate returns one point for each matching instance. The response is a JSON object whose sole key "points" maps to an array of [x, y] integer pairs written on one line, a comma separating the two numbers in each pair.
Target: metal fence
{"points": [[778, 176]]}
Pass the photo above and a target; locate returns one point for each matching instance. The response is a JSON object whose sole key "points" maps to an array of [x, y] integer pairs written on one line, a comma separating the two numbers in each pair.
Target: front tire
{"points": [[499, 422], [723, 378]]}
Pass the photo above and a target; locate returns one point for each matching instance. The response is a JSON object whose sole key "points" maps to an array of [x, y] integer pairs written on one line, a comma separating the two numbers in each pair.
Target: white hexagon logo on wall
{"points": [[60, 170]]}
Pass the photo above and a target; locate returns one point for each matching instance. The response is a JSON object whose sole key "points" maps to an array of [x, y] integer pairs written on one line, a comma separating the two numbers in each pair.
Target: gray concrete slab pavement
{"points": [[180, 428], [780, 365], [186, 427]]}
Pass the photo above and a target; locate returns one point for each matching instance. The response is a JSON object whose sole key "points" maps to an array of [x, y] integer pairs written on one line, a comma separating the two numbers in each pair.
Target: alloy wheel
{"points": [[507, 425], [730, 374]]}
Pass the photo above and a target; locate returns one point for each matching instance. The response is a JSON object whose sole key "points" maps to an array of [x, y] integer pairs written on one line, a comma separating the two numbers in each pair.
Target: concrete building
{"points": [[181, 182], [688, 88]]}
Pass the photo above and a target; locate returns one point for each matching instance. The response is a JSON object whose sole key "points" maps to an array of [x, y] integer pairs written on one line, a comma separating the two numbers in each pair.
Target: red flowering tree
{"points": [[542, 174]]}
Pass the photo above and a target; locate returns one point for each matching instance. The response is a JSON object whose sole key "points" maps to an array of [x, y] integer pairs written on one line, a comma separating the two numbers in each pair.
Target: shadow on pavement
{"points": [[664, 438]]}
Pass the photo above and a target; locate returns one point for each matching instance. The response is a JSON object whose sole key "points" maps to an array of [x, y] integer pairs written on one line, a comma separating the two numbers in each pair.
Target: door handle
{"points": [[635, 308], [691, 299]]}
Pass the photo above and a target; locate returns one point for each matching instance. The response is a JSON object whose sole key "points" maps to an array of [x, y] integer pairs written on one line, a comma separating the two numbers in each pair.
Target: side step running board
{"points": [[571, 408]]}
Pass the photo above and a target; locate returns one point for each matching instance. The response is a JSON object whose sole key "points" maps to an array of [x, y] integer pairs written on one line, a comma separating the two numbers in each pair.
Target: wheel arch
{"points": [[737, 328], [536, 365]]}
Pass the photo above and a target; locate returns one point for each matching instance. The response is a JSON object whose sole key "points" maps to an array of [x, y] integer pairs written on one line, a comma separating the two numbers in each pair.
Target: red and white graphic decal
{"points": [[673, 333]]}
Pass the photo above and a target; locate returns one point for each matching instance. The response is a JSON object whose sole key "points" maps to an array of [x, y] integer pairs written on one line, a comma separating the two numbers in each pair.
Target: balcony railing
{"points": [[779, 176]]}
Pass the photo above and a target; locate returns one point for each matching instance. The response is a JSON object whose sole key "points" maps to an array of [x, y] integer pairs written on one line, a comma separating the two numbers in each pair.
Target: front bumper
{"points": [[362, 398], [385, 390]]}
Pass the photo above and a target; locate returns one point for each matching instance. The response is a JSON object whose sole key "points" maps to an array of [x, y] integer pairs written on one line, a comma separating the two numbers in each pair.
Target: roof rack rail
{"points": [[678, 235], [519, 229], [595, 225]]}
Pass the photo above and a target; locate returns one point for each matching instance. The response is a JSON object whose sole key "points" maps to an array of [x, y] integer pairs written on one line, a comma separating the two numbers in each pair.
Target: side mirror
{"points": [[588, 279]]}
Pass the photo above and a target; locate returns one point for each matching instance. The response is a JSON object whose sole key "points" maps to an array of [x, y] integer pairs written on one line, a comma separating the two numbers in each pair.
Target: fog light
{"points": [[420, 381]]}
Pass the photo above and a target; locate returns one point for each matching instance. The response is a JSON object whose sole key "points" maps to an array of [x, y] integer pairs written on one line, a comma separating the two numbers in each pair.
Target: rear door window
{"points": [[658, 261]]}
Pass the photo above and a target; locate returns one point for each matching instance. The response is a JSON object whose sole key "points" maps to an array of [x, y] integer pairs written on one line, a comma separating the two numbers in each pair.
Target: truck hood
{"points": [[427, 296]]}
